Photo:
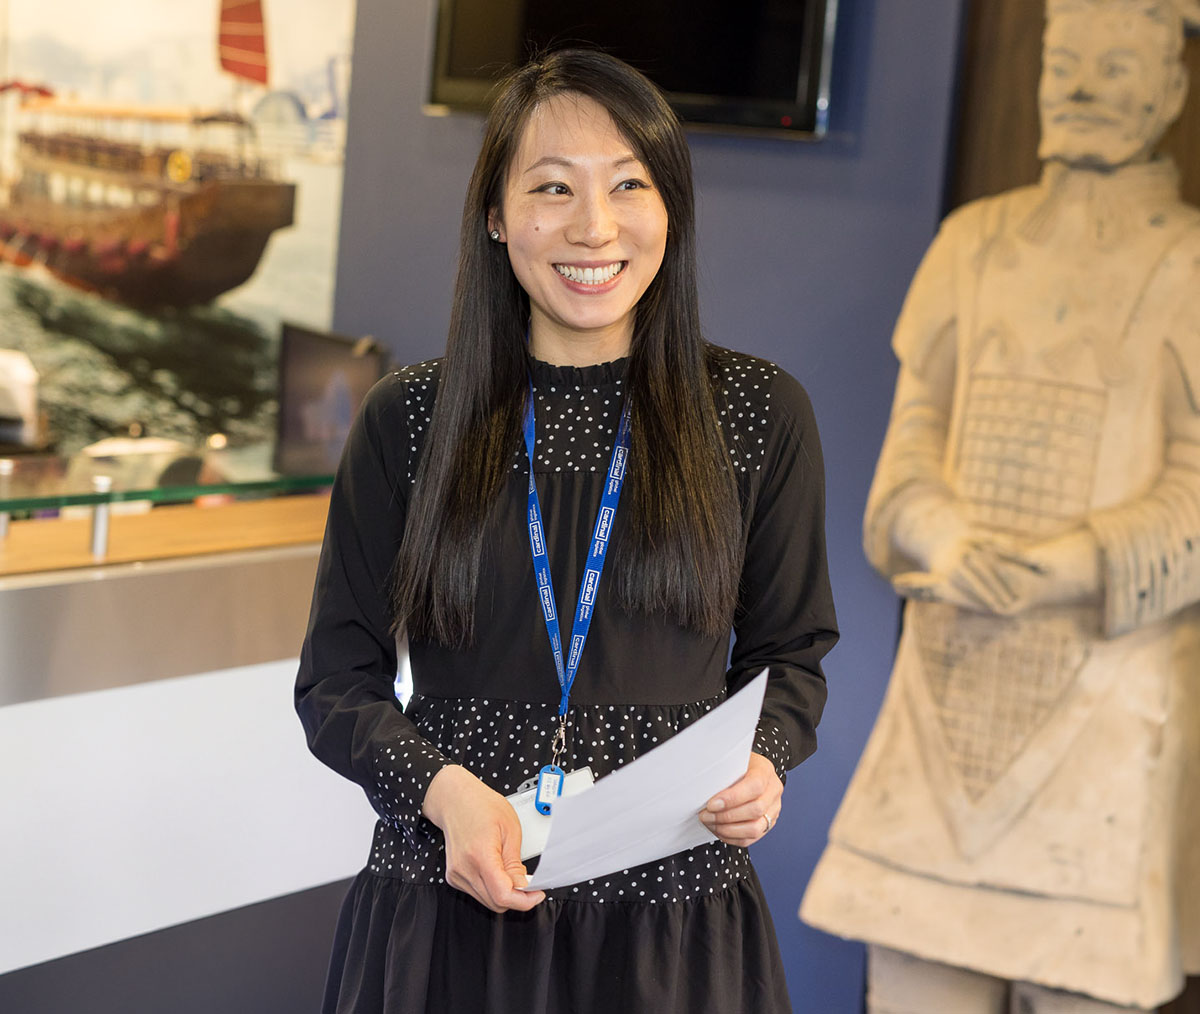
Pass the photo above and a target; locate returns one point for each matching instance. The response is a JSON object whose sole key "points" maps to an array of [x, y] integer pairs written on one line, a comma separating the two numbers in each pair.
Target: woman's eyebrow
{"points": [[550, 160], [568, 163]]}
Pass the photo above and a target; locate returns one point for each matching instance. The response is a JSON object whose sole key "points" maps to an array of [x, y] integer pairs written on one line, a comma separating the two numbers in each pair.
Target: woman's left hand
{"points": [[744, 812]]}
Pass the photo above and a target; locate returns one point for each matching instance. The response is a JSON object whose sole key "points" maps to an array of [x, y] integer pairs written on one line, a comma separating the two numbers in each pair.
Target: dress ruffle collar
{"points": [[594, 375]]}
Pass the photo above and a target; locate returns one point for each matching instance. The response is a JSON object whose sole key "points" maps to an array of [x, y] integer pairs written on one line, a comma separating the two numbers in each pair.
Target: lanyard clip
{"points": [[558, 745]]}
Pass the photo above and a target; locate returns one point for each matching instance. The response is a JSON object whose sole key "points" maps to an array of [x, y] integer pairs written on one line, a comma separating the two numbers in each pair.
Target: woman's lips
{"points": [[591, 278]]}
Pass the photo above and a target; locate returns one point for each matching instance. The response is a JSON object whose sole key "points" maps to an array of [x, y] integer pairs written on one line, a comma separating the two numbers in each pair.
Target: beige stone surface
{"points": [[1022, 808], [899, 983]]}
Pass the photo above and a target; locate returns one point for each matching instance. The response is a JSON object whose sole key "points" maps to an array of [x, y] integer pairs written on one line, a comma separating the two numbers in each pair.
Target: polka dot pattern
{"points": [[403, 771], [743, 387], [420, 388], [505, 742], [577, 411], [773, 745]]}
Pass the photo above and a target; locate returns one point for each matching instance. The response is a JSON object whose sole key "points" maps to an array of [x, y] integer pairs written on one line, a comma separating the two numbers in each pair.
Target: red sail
{"points": [[241, 43], [26, 90]]}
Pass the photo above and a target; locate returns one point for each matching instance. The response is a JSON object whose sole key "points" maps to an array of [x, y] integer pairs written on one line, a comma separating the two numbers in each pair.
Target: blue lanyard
{"points": [[590, 584]]}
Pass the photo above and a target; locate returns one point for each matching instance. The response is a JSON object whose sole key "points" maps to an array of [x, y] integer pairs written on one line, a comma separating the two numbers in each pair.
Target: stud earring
{"points": [[495, 234]]}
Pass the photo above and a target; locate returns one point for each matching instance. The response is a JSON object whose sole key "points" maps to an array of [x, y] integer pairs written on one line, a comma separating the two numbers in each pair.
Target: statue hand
{"points": [[986, 576], [930, 531], [1069, 567], [975, 574]]}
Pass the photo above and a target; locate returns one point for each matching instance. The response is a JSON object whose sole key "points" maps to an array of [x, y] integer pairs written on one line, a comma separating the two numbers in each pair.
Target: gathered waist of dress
{"points": [[685, 876], [504, 743]]}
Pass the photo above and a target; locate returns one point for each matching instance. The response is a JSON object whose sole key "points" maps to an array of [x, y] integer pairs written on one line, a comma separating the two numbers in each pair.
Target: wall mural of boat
{"points": [[184, 183], [106, 201], [149, 224]]}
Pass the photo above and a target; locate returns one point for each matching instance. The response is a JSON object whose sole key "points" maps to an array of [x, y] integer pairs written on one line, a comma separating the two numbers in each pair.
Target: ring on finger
{"points": [[770, 822]]}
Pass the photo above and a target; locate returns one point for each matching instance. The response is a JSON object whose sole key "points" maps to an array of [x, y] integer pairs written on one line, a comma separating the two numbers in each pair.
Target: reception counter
{"points": [[184, 589], [154, 781]]}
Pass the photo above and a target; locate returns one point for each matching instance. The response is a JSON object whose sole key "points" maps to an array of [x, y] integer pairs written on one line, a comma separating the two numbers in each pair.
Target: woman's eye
{"points": [[557, 189], [632, 185]]}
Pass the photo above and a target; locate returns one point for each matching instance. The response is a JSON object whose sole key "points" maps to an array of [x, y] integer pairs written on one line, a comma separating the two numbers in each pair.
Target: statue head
{"points": [[1113, 79]]}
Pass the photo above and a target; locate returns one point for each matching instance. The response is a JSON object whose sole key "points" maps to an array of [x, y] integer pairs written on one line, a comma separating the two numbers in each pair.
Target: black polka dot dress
{"points": [[689, 933]]}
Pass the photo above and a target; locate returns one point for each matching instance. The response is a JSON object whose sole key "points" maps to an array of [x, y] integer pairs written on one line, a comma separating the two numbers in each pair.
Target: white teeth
{"points": [[591, 276]]}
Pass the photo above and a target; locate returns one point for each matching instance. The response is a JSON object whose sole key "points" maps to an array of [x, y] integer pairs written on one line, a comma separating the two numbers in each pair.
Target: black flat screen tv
{"points": [[760, 65]]}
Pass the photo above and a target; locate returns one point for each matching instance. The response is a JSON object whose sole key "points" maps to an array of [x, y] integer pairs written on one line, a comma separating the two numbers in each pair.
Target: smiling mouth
{"points": [[591, 276]]}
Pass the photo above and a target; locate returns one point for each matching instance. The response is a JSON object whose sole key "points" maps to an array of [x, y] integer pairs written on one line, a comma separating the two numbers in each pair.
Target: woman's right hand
{"points": [[483, 840]]}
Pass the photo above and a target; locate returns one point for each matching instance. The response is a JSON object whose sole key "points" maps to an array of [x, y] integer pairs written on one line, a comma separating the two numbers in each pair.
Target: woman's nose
{"points": [[594, 223]]}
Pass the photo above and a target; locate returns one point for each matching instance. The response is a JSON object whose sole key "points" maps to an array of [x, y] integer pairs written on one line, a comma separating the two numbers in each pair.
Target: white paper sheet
{"points": [[650, 808]]}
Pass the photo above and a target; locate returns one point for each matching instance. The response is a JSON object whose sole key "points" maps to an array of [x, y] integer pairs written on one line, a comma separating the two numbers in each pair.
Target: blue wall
{"points": [[806, 252]]}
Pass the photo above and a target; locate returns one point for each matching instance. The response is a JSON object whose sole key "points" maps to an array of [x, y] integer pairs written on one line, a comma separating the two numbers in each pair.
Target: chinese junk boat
{"points": [[150, 206]]}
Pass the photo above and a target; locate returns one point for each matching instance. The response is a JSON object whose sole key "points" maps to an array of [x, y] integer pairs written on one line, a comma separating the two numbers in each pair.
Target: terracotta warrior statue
{"points": [[1023, 829]]}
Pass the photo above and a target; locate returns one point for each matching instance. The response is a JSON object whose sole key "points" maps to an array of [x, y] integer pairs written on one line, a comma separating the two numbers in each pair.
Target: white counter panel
{"points": [[130, 809]]}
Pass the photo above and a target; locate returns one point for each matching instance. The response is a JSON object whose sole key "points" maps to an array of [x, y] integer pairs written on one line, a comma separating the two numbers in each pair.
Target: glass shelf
{"points": [[157, 474]]}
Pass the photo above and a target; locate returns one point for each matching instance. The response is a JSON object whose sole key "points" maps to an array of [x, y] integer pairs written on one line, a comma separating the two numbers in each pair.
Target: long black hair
{"points": [[678, 548]]}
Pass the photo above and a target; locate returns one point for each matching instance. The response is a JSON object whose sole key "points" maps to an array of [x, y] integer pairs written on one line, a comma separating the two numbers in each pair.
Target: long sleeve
{"points": [[345, 689], [911, 467], [785, 619], [1150, 547]]}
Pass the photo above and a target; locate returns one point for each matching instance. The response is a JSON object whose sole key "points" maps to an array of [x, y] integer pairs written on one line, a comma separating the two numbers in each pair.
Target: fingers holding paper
{"points": [[483, 840], [744, 812]]}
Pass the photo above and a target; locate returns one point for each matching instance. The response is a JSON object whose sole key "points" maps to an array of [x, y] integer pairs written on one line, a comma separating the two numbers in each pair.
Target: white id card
{"points": [[535, 828]]}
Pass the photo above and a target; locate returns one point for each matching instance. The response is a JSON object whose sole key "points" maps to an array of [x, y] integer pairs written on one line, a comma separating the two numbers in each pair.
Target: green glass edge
{"points": [[166, 494]]}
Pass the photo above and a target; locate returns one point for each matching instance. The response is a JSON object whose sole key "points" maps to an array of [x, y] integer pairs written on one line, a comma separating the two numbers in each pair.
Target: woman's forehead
{"points": [[570, 126]]}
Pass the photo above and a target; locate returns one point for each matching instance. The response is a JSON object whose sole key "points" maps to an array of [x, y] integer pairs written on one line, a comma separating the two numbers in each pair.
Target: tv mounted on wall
{"points": [[760, 65]]}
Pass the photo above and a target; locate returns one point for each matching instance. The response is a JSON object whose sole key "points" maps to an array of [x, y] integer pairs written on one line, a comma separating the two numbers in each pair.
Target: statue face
{"points": [[1111, 84]]}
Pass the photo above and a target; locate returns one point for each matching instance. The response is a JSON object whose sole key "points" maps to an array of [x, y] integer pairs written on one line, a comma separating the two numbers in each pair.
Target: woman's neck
{"points": [[578, 348]]}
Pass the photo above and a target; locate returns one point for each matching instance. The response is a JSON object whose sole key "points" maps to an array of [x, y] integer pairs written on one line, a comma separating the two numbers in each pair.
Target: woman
{"points": [[575, 295]]}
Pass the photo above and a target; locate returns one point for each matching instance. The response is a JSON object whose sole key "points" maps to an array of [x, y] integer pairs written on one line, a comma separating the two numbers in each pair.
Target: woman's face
{"points": [[585, 230]]}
